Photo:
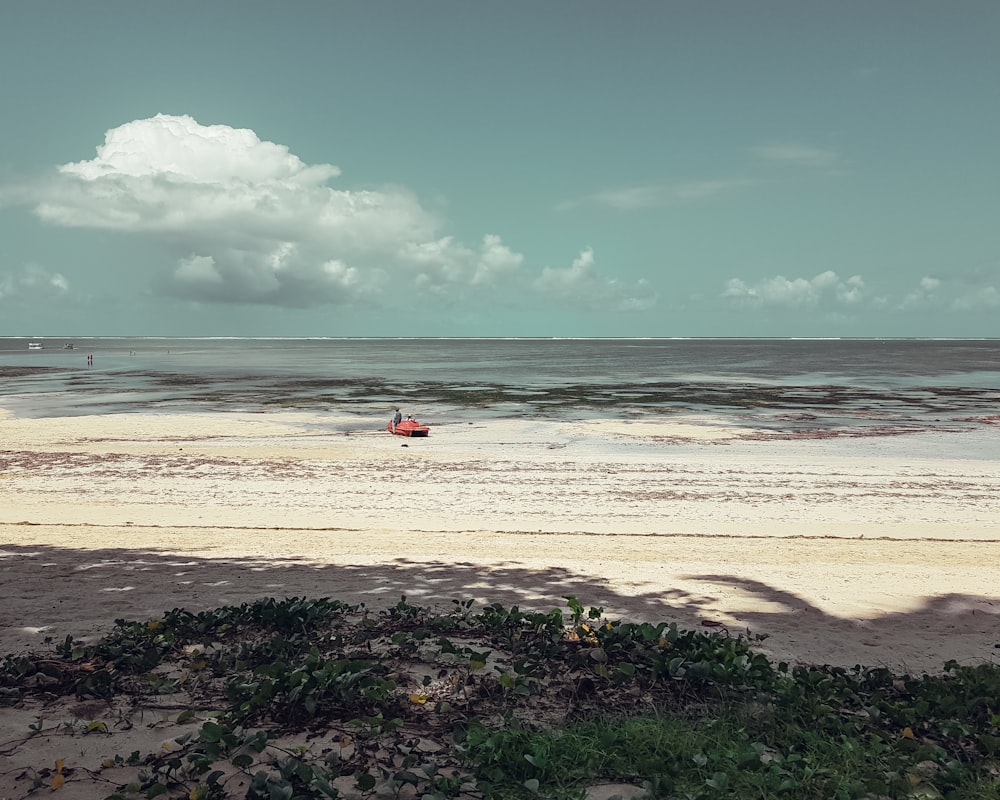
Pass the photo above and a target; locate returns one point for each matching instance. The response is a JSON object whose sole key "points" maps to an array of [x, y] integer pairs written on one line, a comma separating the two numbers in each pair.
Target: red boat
{"points": [[408, 427]]}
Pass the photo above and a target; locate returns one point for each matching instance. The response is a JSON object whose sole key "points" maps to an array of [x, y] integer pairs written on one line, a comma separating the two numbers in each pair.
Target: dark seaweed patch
{"points": [[757, 404], [21, 372]]}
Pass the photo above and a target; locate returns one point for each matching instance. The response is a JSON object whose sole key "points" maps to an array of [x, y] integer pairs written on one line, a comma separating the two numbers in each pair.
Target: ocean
{"points": [[787, 384]]}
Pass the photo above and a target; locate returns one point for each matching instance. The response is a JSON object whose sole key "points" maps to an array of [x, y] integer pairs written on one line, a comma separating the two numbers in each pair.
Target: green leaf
{"points": [[325, 787], [281, 791], [406, 776], [719, 780], [210, 732]]}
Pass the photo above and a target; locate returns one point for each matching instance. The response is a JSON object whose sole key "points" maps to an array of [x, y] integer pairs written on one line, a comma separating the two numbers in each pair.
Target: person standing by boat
{"points": [[396, 419]]}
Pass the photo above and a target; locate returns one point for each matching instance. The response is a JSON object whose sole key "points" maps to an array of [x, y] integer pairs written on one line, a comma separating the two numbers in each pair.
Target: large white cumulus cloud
{"points": [[247, 221], [179, 148]]}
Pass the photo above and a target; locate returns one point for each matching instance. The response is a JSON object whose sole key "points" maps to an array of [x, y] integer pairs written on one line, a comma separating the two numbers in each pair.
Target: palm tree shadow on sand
{"points": [[53, 591]]}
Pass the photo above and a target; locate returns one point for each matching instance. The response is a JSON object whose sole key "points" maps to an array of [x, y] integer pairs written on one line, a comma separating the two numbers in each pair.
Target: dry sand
{"points": [[872, 550]]}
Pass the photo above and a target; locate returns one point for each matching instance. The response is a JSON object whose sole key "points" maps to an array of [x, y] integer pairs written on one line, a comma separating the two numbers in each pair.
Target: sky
{"points": [[460, 168]]}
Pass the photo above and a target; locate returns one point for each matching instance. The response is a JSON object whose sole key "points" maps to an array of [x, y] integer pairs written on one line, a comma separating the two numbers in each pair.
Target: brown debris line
{"points": [[658, 494]]}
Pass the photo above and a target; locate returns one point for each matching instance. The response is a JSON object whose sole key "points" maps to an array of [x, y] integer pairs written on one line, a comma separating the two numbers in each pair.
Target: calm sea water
{"points": [[763, 382]]}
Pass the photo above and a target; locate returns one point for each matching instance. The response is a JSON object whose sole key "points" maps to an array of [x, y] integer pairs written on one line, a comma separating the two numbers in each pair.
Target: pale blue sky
{"points": [[500, 169]]}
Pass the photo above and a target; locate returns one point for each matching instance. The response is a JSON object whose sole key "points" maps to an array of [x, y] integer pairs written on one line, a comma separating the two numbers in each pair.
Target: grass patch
{"points": [[722, 756]]}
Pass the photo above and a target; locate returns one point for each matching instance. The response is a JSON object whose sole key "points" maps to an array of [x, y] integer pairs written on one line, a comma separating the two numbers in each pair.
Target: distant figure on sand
{"points": [[396, 419]]}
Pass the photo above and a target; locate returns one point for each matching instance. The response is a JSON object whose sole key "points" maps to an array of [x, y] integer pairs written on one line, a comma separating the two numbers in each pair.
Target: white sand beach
{"points": [[880, 550]]}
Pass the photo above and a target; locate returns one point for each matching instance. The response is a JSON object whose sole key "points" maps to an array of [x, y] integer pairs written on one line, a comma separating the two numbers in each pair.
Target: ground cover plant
{"points": [[313, 698]]}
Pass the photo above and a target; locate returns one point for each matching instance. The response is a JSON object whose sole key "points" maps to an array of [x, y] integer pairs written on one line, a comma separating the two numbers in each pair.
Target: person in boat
{"points": [[396, 419]]}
